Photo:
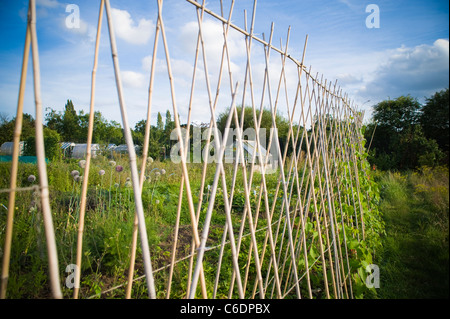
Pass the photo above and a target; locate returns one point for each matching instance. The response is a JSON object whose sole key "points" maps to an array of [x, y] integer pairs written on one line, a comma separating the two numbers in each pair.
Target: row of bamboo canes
{"points": [[318, 101]]}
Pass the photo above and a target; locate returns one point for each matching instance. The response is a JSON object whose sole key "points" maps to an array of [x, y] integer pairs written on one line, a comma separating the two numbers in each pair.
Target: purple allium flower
{"points": [[119, 168], [78, 178], [82, 163], [31, 178], [101, 172], [74, 173]]}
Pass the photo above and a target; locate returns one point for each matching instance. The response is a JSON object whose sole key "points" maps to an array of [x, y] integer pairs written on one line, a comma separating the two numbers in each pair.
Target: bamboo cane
{"points": [[269, 236], [143, 167], [180, 138], [41, 164], [132, 158], [338, 186], [14, 167], [88, 160]]}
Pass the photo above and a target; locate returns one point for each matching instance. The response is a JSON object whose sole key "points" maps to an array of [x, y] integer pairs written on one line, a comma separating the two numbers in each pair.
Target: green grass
{"points": [[415, 258]]}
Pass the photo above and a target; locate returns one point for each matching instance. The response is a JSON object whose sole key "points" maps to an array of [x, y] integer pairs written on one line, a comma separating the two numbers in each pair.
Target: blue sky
{"points": [[408, 54]]}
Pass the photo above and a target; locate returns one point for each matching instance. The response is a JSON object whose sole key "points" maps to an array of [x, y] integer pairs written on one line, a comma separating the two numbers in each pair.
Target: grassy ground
{"points": [[415, 260]]}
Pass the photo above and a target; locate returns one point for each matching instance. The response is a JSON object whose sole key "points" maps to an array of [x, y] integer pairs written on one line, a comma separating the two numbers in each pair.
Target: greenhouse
{"points": [[79, 150], [7, 148], [67, 148]]}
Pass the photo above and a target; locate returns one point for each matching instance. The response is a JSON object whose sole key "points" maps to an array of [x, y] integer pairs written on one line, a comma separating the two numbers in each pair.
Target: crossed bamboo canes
{"points": [[322, 192], [315, 138], [326, 143]]}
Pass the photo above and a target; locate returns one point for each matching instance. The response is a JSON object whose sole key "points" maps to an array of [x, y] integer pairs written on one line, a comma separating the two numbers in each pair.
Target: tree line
{"points": [[70, 126], [404, 134]]}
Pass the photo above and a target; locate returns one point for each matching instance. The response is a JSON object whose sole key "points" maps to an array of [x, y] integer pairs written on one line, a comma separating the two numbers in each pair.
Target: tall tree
{"points": [[160, 135], [434, 119], [168, 127], [159, 122], [71, 123]]}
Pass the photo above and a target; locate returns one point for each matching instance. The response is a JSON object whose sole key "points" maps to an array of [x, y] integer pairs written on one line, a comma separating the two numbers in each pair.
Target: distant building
{"points": [[67, 148], [7, 148], [79, 150]]}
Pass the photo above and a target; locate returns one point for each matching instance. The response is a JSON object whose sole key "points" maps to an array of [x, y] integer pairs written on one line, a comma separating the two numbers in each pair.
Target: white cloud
{"points": [[419, 71], [48, 3], [133, 79], [86, 31], [213, 39], [43, 8], [127, 29], [182, 70], [348, 78]]}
